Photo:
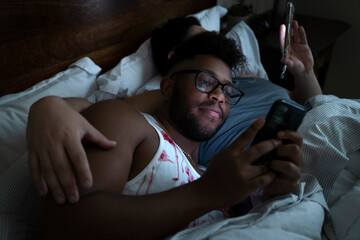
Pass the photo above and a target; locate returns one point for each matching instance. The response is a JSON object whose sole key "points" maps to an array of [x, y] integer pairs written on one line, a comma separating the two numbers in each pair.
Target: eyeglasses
{"points": [[207, 83]]}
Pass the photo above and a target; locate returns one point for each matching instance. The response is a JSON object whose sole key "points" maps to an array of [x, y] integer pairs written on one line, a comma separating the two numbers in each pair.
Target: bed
{"points": [[90, 49]]}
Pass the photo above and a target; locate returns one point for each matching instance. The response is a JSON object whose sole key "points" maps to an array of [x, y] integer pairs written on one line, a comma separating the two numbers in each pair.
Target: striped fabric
{"points": [[331, 130], [20, 206]]}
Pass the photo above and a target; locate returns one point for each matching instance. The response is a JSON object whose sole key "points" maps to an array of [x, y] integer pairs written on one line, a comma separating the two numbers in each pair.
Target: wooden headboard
{"points": [[40, 38]]}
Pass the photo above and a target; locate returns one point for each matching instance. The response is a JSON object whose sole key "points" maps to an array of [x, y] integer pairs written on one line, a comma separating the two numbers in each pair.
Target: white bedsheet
{"points": [[293, 216], [291, 223]]}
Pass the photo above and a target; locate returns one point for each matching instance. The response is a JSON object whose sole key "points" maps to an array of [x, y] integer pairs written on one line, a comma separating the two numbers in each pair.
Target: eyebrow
{"points": [[227, 81]]}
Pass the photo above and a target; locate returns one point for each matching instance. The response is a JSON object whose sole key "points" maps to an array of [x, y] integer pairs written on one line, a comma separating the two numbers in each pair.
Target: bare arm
{"points": [[54, 134], [104, 211], [108, 215], [78, 104]]}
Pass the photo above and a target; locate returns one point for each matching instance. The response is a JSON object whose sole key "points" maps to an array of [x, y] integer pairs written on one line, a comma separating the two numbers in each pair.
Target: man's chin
{"points": [[211, 122], [201, 137], [206, 132]]}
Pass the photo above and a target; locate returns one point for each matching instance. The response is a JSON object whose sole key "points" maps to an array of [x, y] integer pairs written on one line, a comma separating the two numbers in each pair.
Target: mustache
{"points": [[212, 104]]}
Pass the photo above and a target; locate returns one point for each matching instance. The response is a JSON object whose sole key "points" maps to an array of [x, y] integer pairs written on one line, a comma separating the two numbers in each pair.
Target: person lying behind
{"points": [[148, 186], [65, 128]]}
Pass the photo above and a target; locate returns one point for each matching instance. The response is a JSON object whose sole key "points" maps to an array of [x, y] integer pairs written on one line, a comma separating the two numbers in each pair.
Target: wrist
{"points": [[303, 76], [213, 196], [306, 86], [204, 193]]}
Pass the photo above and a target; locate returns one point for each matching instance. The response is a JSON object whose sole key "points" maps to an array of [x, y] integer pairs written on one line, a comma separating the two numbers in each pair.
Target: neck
{"points": [[190, 146]]}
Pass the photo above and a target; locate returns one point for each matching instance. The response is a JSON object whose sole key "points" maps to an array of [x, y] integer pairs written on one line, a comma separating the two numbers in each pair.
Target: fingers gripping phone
{"points": [[283, 115]]}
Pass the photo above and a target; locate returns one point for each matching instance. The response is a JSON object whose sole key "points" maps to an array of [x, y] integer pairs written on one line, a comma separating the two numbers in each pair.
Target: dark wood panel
{"points": [[41, 38]]}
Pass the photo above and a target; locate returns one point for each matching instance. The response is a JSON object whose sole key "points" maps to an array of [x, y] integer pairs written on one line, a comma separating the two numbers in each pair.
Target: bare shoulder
{"points": [[110, 110], [114, 118], [121, 122]]}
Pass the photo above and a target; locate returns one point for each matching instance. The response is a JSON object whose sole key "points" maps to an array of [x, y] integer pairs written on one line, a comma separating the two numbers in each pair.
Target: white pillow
{"points": [[245, 38], [77, 81], [210, 18], [152, 84], [133, 71]]}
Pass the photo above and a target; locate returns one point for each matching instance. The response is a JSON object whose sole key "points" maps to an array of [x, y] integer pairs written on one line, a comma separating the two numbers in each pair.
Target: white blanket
{"points": [[293, 216], [291, 223]]}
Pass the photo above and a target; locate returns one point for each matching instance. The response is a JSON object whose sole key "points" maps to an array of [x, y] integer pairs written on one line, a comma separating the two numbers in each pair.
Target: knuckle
{"points": [[62, 171], [288, 167], [66, 135], [77, 158], [297, 148], [49, 139], [69, 185], [245, 135], [47, 169], [52, 182], [262, 182], [247, 154], [259, 148]]}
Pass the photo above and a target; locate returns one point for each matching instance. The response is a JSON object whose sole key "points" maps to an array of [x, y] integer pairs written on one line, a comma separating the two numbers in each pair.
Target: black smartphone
{"points": [[283, 115]]}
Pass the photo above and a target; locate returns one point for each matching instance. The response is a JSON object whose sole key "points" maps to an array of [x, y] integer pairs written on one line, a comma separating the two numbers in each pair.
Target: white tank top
{"points": [[168, 169]]}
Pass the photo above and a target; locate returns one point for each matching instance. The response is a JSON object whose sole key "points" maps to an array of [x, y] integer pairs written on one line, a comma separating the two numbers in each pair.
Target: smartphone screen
{"points": [[283, 115]]}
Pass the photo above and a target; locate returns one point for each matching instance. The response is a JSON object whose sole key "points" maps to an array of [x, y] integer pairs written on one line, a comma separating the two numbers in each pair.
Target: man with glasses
{"points": [[65, 154], [207, 83], [148, 185]]}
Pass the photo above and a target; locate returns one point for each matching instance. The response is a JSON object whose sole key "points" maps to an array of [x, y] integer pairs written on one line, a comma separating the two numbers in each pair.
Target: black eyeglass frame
{"points": [[197, 72]]}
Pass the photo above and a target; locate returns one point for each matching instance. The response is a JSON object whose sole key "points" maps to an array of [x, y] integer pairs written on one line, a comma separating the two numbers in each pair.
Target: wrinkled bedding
{"points": [[328, 192], [331, 131]]}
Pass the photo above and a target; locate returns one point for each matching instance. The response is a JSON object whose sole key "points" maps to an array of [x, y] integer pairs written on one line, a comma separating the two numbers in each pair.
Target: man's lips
{"points": [[212, 111]]}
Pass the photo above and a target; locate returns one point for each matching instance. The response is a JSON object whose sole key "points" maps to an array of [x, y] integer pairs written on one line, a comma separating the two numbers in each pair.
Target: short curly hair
{"points": [[168, 37], [209, 43]]}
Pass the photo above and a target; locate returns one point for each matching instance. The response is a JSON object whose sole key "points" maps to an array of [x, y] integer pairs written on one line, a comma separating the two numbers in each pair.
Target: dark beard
{"points": [[185, 122]]}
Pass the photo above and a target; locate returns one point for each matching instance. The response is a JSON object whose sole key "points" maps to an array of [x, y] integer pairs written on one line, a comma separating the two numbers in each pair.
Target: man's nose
{"points": [[217, 95]]}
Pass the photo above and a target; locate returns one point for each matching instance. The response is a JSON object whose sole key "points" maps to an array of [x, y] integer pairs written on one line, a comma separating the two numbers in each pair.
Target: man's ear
{"points": [[166, 87]]}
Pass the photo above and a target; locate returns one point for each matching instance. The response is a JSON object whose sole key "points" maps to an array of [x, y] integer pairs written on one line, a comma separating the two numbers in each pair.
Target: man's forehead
{"points": [[227, 80], [207, 63]]}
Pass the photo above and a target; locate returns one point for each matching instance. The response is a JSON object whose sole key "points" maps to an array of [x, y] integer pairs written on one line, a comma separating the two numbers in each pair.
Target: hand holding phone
{"points": [[283, 115]]}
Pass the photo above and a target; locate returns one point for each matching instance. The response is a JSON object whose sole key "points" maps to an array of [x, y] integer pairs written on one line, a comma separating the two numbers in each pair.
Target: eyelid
{"points": [[227, 82]]}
